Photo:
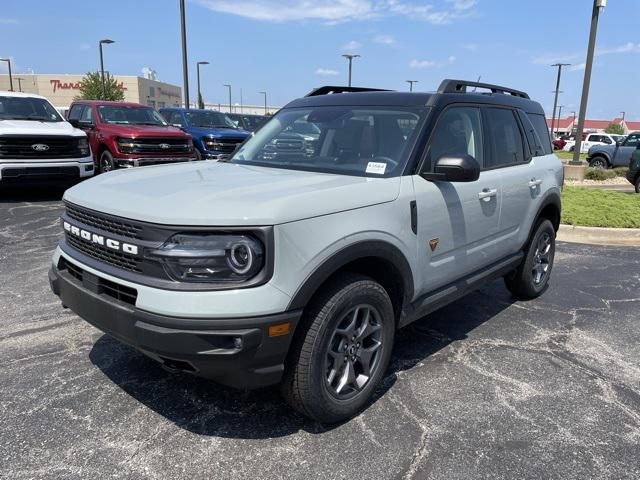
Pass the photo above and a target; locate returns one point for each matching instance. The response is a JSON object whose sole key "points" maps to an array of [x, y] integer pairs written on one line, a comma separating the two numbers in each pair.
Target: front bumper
{"points": [[19, 170], [144, 161], [236, 351]]}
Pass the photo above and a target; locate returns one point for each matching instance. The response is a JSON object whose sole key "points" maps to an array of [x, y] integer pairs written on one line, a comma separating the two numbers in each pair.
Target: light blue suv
{"points": [[297, 268]]}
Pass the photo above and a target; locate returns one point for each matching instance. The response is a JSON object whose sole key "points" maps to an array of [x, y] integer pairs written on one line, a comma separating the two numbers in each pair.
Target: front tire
{"points": [[530, 279], [341, 350], [638, 184], [106, 162]]}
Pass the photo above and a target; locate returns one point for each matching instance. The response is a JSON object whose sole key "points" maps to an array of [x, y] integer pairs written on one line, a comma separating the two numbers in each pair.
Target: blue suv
{"points": [[215, 136]]}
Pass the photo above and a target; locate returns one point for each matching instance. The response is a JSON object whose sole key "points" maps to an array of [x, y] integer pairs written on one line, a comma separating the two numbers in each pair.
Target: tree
{"points": [[91, 88], [615, 128], [200, 102]]}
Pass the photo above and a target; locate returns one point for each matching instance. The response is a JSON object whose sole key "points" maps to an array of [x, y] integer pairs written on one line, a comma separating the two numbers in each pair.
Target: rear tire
{"points": [[638, 184], [341, 350], [530, 279], [599, 162], [106, 162]]}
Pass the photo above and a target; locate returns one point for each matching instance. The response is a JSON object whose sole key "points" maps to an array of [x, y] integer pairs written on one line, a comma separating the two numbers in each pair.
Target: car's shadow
{"points": [[33, 192], [203, 407]]}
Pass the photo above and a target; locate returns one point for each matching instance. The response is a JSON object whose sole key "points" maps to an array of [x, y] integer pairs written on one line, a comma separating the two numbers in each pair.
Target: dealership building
{"points": [[60, 89]]}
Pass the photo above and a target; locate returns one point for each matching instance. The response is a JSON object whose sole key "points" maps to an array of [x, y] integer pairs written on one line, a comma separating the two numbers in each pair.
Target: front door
{"points": [[623, 152], [457, 221]]}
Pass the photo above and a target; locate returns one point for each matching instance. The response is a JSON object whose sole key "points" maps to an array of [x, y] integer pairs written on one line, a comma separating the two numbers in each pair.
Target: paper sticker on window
{"points": [[376, 167]]}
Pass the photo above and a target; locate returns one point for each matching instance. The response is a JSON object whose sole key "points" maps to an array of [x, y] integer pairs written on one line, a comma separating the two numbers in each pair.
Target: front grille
{"points": [[34, 173], [225, 145], [289, 144], [22, 146], [154, 145], [108, 224], [112, 257], [103, 286]]}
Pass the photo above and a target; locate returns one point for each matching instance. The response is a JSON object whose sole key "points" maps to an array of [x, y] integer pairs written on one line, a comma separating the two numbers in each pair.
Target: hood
{"points": [[143, 130], [217, 132], [227, 194], [34, 127]]}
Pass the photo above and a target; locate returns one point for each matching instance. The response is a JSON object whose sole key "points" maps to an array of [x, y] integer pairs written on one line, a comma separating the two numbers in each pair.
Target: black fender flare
{"points": [[552, 198], [382, 250]]}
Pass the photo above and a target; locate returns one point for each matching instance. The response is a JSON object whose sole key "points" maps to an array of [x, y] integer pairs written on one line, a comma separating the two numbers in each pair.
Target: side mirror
{"points": [[618, 143], [74, 123], [454, 168]]}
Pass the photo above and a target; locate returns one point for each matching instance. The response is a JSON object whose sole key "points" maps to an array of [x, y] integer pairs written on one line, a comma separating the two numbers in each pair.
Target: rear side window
{"points": [[506, 146], [540, 124]]}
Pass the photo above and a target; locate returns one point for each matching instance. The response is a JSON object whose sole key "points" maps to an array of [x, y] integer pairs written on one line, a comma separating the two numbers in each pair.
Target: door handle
{"points": [[533, 183], [487, 193]]}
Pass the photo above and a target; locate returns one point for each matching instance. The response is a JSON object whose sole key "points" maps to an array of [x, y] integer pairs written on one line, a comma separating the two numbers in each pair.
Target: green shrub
{"points": [[599, 174], [621, 171]]}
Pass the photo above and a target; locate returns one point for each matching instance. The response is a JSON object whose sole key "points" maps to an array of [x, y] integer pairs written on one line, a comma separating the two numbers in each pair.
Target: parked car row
{"points": [[588, 141], [38, 144]]}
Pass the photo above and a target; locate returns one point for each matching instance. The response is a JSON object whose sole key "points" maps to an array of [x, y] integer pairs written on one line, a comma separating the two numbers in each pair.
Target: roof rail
{"points": [[328, 89], [460, 86]]}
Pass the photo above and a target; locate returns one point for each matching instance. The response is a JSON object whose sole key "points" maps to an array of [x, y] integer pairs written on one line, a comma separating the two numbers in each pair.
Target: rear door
{"points": [[457, 222], [509, 156]]}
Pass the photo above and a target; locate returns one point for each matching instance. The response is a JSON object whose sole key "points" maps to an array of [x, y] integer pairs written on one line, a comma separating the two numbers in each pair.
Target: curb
{"points": [[599, 235]]}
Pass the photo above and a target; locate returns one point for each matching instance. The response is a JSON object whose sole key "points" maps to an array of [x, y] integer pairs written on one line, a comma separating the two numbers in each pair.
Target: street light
{"points": [[8, 60], [411, 82], [265, 101], [557, 91], [104, 88], [595, 13], [198, 75], [623, 114], [350, 59], [19, 79], [185, 66], [559, 117], [229, 87], [573, 122]]}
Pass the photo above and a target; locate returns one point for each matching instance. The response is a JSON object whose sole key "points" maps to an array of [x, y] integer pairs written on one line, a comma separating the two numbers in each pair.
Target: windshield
{"points": [[618, 138], [28, 108], [125, 115], [209, 119], [362, 141]]}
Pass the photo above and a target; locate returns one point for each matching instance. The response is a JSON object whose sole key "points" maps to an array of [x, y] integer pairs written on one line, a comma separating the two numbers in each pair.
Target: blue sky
{"points": [[288, 47]]}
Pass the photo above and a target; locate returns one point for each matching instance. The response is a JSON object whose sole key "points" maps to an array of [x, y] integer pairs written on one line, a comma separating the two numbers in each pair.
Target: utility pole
{"points": [[8, 60], [198, 77], [240, 100], [573, 122], [411, 82], [557, 91], [350, 59], [229, 87], [623, 114], [265, 101], [595, 13], [185, 66], [19, 79]]}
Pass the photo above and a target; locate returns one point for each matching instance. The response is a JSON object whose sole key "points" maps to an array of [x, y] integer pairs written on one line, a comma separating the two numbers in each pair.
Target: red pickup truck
{"points": [[123, 134]]}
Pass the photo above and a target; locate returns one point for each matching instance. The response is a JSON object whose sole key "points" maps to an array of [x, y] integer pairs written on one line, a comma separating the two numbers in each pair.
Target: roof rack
{"points": [[460, 86], [328, 89]]}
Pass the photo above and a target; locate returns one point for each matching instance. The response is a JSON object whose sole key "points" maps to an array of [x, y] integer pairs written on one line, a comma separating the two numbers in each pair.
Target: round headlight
{"points": [[240, 258]]}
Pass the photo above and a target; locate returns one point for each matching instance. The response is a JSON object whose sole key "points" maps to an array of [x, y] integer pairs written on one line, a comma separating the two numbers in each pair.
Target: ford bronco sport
{"points": [[36, 144], [124, 134], [298, 269]]}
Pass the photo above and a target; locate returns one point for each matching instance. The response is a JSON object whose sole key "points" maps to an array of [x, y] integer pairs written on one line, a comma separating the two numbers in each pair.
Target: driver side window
{"points": [[458, 132], [632, 141]]}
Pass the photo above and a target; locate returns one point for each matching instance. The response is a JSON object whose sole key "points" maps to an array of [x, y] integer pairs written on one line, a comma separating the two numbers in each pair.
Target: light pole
{"points": [[411, 82], [350, 58], [100, 43], [265, 101], [198, 75], [595, 13], [623, 114], [19, 79], [185, 66], [8, 60], [559, 117], [229, 87], [557, 91], [573, 122], [241, 100]]}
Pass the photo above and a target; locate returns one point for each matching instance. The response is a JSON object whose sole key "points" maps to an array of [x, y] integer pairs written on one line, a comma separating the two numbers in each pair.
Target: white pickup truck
{"points": [[593, 139], [37, 144]]}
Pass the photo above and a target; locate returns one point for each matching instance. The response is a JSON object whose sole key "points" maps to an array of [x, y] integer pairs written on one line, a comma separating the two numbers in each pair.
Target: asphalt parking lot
{"points": [[485, 388]]}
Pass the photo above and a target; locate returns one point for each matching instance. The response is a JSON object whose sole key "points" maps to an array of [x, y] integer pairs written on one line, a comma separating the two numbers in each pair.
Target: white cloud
{"points": [[351, 46], [384, 39], [326, 72], [549, 59], [85, 46], [8, 21], [472, 47], [430, 63], [577, 67], [336, 11]]}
